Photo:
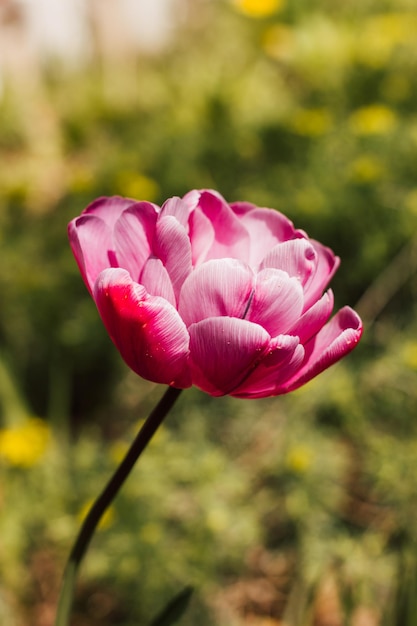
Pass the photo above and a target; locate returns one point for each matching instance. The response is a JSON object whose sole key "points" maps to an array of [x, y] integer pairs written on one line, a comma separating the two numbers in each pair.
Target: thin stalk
{"points": [[104, 500]]}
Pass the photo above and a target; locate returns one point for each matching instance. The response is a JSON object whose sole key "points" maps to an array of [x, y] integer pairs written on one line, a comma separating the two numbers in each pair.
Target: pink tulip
{"points": [[227, 297]]}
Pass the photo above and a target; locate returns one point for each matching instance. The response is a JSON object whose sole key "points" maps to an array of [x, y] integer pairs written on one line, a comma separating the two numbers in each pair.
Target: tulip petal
{"points": [[231, 239], [266, 228], [314, 318], [172, 246], [223, 350], [156, 280], [296, 257], [133, 235], [333, 342], [147, 330], [201, 236], [177, 208], [277, 301], [91, 243], [326, 265], [220, 287], [109, 209], [281, 361]]}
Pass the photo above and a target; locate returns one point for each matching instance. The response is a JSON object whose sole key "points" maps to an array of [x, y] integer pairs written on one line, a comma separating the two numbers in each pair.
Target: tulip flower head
{"points": [[228, 297]]}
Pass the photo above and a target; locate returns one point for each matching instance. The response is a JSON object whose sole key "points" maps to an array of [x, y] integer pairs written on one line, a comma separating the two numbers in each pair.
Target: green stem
{"points": [[110, 491]]}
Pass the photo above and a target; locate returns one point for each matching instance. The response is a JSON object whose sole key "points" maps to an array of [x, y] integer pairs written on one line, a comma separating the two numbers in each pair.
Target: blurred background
{"points": [[298, 510]]}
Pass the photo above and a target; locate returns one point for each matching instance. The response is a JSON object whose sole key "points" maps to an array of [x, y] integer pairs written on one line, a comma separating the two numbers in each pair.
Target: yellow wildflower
{"points": [[25, 444], [311, 122], [409, 354], [299, 459], [366, 169], [411, 201], [375, 119], [134, 185], [258, 8], [278, 42], [381, 34]]}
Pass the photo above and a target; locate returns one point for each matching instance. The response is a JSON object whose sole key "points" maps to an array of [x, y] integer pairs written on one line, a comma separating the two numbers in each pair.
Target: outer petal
{"points": [[282, 359], [147, 330], [333, 342], [220, 287], [266, 228], [277, 301], [326, 265], [296, 257], [223, 351], [91, 236], [109, 209], [133, 236], [91, 243]]}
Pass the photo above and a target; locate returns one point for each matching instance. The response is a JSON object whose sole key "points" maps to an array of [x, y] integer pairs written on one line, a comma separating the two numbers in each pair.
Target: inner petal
{"points": [[172, 246], [297, 257], [266, 228], [223, 351], [156, 281], [133, 234], [277, 301], [221, 287]]}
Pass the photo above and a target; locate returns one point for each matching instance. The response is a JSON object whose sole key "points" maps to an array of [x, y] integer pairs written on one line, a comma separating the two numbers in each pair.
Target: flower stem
{"points": [[106, 497]]}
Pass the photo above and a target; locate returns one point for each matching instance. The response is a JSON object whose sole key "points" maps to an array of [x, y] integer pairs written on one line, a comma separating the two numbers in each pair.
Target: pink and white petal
{"points": [[177, 208], [201, 235], [92, 245], [223, 350], [231, 239], [266, 228], [327, 264], [155, 278], [314, 318], [297, 257], [172, 246], [133, 236], [333, 342], [221, 287], [109, 209], [277, 301], [282, 360], [147, 330]]}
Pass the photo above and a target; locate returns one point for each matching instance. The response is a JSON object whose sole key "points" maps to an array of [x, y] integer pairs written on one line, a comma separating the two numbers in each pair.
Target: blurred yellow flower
{"points": [[106, 520], [134, 185], [278, 42], [311, 122], [258, 8], [375, 119], [366, 169], [411, 201], [25, 444], [299, 459], [218, 519], [409, 354], [381, 34]]}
